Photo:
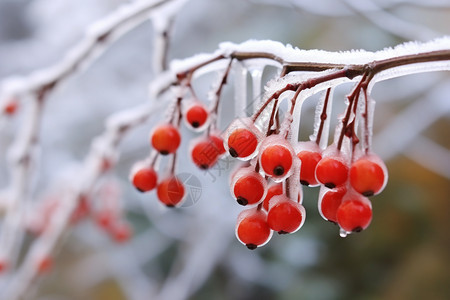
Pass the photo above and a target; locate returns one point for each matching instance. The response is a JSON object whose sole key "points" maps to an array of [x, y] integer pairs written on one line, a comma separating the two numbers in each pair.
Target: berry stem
{"points": [[275, 95], [272, 118], [215, 108], [259, 207], [323, 117], [173, 163], [351, 99], [153, 157], [366, 122]]}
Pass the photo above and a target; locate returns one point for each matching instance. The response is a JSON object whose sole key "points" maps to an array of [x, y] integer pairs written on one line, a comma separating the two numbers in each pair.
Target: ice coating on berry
{"points": [[248, 187], [285, 215], [196, 115], [329, 202], [309, 154], [355, 212], [273, 190], [144, 179], [242, 139], [204, 152], [252, 229], [171, 191], [218, 142], [276, 157], [332, 169], [368, 175], [166, 139]]}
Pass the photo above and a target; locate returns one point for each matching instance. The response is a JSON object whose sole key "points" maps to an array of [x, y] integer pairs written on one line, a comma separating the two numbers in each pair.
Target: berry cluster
{"points": [[275, 165], [166, 139]]}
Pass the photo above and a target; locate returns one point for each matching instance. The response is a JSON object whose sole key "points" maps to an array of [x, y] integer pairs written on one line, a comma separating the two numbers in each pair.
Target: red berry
{"points": [[218, 142], [248, 187], [276, 189], [82, 209], [3, 265], [121, 232], [331, 172], [44, 264], [171, 191], [354, 214], [11, 107], [252, 229], [285, 215], [309, 159], [276, 160], [329, 203], [196, 115], [144, 179], [242, 143], [105, 218], [205, 153], [367, 177], [166, 139]]}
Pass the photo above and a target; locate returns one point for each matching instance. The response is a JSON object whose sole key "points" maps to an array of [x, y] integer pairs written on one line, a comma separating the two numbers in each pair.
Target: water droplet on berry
{"points": [[343, 233]]}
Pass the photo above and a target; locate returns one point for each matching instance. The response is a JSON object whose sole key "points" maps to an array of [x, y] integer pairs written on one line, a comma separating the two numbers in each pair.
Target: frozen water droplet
{"points": [[343, 233]]}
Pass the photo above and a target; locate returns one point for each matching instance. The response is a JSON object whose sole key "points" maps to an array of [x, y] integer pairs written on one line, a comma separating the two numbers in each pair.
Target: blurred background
{"points": [[191, 252]]}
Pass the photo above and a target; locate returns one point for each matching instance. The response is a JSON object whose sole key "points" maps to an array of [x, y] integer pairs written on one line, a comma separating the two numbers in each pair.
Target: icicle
{"points": [[317, 120], [256, 72], [342, 233], [295, 126], [240, 90]]}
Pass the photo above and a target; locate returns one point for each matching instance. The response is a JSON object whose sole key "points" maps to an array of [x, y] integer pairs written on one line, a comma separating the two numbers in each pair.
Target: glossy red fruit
{"points": [[285, 215], [367, 177], [144, 179], [166, 139], [276, 160], [331, 172], [196, 115], [205, 153], [330, 202], [354, 214], [171, 191], [252, 229], [242, 143], [309, 159], [276, 189], [218, 142], [249, 188]]}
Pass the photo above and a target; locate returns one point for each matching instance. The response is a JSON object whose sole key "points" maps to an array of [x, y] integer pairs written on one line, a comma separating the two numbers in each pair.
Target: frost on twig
{"points": [[35, 89], [301, 73]]}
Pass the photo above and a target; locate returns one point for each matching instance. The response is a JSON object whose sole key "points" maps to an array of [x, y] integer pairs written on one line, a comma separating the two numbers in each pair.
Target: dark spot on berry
{"points": [[333, 222], [204, 166], [242, 200], [357, 229], [278, 170], [304, 182], [282, 232], [195, 124], [233, 152], [330, 185], [251, 246], [368, 193], [140, 190], [170, 205], [164, 152]]}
